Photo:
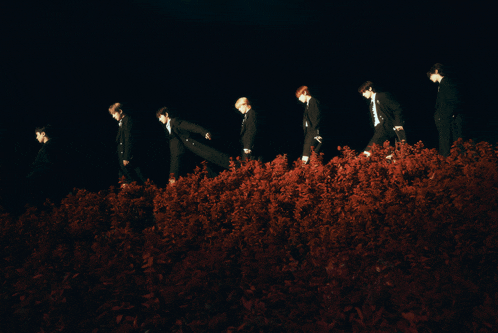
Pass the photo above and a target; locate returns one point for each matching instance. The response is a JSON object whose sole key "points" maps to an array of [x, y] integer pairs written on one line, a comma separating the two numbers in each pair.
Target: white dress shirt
{"points": [[374, 110], [168, 126]]}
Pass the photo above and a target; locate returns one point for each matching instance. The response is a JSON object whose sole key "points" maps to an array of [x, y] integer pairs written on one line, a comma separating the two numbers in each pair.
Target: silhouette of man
{"points": [[447, 116]]}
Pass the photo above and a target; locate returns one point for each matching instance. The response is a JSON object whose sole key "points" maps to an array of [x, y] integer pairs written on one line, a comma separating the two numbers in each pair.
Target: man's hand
{"points": [[398, 128], [247, 151], [208, 136], [125, 162], [305, 159]]}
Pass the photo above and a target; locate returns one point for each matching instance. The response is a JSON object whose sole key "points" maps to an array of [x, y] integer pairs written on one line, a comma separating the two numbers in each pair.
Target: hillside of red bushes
{"points": [[354, 245]]}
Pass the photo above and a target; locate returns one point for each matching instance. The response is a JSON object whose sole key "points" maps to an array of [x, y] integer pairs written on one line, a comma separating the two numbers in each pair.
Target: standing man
{"points": [[448, 115], [48, 178], [311, 122], [387, 116], [249, 128], [178, 133], [127, 140]]}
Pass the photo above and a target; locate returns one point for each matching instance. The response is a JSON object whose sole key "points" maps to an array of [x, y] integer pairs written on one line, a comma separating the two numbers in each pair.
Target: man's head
{"points": [[43, 133], [367, 89], [303, 94], [117, 111], [243, 105], [163, 115], [436, 73]]}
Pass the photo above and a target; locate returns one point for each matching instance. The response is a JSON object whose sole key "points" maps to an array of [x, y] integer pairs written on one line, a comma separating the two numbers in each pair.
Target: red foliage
{"points": [[355, 245]]}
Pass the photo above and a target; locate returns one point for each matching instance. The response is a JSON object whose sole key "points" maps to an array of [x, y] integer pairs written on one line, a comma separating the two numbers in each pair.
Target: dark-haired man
{"points": [[448, 117], [312, 119], [248, 129], [387, 116], [178, 132], [127, 140], [48, 177], [47, 155]]}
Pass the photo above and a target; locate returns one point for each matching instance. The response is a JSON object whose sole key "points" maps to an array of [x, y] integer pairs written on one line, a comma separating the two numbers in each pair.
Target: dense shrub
{"points": [[358, 244]]}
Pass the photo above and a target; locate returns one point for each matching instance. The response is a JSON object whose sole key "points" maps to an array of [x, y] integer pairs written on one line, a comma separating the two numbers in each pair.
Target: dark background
{"points": [[65, 62]]}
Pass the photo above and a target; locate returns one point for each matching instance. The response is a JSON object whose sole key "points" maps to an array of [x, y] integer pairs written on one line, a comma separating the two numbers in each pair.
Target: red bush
{"points": [[355, 245]]}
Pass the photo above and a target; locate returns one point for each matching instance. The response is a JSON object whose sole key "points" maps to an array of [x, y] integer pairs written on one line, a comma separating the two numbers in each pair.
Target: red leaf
{"points": [[359, 313], [410, 316], [247, 304]]}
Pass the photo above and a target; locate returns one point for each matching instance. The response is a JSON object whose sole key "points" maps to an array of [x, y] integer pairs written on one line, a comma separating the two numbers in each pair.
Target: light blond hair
{"points": [[242, 100]]}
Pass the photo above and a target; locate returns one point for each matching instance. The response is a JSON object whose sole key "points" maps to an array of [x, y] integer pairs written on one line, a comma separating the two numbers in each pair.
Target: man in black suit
{"points": [[248, 130], [48, 178], [387, 116], [178, 133], [128, 145], [448, 115], [312, 118]]}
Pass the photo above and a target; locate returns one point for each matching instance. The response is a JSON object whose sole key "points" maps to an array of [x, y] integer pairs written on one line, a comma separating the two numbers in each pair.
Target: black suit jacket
{"points": [[447, 103], [248, 130], [388, 110], [126, 139], [47, 161], [51, 167], [49, 176], [311, 124], [180, 139]]}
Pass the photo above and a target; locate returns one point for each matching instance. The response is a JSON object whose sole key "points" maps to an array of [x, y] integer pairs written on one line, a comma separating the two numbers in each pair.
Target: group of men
{"points": [[386, 115], [181, 137]]}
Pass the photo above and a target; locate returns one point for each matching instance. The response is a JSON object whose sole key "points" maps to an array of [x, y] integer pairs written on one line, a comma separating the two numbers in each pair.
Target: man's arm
{"points": [[250, 133], [193, 128], [313, 130], [447, 101], [393, 107], [128, 140]]}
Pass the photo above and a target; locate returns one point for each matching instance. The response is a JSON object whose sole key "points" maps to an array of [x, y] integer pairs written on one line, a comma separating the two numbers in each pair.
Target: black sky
{"points": [[65, 62]]}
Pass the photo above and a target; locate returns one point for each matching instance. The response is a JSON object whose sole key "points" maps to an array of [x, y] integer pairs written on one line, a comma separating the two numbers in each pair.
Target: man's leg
{"points": [[444, 138], [379, 137], [457, 127]]}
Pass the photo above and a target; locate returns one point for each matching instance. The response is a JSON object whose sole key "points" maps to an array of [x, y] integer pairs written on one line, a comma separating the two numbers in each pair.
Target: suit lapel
{"points": [[306, 117], [243, 126], [372, 111], [120, 132]]}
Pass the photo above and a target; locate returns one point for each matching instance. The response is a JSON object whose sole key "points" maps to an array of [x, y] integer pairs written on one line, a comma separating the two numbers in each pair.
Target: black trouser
{"points": [[449, 131], [250, 156], [383, 134], [132, 172]]}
